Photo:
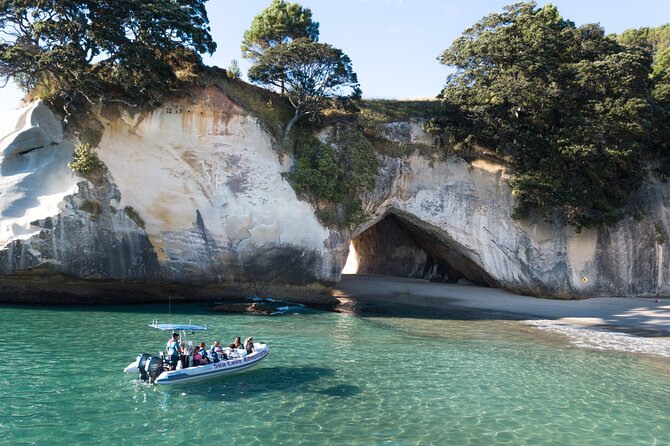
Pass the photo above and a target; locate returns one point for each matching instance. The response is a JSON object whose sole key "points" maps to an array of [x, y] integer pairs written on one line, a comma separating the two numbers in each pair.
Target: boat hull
{"points": [[210, 371]]}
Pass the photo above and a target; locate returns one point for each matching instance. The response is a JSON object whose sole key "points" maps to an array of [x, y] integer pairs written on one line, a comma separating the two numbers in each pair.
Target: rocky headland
{"points": [[193, 201]]}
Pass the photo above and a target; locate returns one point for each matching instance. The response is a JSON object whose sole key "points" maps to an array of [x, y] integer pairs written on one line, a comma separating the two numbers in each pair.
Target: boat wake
{"points": [[595, 339]]}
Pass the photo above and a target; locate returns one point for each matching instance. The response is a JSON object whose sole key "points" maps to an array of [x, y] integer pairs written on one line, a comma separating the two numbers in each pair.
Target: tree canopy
{"points": [[93, 47], [313, 75], [279, 23], [568, 106]]}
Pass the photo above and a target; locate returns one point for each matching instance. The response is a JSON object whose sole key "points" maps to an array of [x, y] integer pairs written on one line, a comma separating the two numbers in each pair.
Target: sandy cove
{"points": [[638, 316]]}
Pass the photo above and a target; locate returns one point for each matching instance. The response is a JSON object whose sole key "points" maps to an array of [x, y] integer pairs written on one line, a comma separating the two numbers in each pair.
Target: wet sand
{"points": [[638, 316]]}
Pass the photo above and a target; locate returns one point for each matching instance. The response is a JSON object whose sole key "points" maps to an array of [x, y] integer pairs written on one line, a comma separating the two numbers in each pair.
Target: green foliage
{"points": [[657, 41], [141, 49], [568, 106], [84, 161], [134, 216], [314, 76], [316, 170], [279, 23], [234, 70], [392, 110], [660, 233], [374, 114], [336, 173]]}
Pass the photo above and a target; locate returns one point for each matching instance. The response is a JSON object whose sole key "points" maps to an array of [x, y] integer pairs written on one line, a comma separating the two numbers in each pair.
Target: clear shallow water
{"points": [[330, 379]]}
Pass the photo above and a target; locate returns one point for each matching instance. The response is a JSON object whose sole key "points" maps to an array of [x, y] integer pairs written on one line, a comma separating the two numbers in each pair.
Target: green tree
{"points": [[278, 24], [567, 106], [90, 48], [314, 75], [657, 41]]}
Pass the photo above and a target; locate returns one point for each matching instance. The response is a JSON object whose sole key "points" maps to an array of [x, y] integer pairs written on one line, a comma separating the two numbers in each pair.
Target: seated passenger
{"points": [[249, 345], [203, 352], [216, 352], [197, 357], [236, 344]]}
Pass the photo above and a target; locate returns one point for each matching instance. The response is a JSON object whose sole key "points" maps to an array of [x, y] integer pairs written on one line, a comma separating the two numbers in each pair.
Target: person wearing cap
{"points": [[174, 349]]}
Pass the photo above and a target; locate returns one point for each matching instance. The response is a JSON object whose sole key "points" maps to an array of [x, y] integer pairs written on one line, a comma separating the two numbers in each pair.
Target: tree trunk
{"points": [[287, 131]]}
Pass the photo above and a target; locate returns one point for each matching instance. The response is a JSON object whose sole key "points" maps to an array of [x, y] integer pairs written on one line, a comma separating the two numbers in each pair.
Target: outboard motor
{"points": [[154, 367], [141, 364]]}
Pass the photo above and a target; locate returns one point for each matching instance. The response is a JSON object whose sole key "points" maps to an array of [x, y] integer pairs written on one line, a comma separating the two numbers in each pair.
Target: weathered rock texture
{"points": [[194, 202]]}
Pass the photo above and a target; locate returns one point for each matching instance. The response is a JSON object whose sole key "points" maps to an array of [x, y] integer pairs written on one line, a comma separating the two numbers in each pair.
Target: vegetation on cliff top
{"points": [[66, 51], [283, 45], [571, 108]]}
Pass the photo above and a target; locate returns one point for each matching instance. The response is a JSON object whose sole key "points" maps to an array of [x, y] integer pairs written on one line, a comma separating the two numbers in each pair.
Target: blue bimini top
{"points": [[177, 327]]}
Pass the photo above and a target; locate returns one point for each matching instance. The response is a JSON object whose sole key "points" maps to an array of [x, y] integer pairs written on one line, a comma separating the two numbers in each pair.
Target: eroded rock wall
{"points": [[467, 206], [194, 194]]}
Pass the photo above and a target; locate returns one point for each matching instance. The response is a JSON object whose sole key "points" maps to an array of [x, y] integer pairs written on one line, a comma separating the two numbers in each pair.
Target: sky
{"points": [[394, 44]]}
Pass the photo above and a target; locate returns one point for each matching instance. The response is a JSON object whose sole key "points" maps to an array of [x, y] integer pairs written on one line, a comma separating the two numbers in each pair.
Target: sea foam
{"points": [[596, 339]]}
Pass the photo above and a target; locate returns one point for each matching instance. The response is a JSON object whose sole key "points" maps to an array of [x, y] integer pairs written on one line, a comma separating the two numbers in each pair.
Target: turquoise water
{"points": [[380, 379]]}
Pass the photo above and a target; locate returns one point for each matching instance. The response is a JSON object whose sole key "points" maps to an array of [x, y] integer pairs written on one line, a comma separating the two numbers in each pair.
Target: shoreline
{"points": [[643, 317]]}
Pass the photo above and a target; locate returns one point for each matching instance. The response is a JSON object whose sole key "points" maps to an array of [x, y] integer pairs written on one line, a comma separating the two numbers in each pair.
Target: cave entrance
{"points": [[403, 246]]}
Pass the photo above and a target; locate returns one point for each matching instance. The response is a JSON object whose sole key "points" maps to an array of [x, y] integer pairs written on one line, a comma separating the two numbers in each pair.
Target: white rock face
{"points": [[208, 185], [34, 177], [468, 207], [195, 192]]}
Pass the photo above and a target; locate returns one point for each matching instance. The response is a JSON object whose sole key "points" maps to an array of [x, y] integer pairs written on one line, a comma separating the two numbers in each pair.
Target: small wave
{"points": [[595, 339], [295, 308]]}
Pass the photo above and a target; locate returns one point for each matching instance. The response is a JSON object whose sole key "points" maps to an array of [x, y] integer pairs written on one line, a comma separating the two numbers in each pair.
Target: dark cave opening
{"points": [[403, 246]]}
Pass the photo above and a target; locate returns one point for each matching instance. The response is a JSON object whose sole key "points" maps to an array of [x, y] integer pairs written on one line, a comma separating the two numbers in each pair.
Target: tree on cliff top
{"points": [[313, 74], [91, 48], [569, 106], [656, 40], [278, 24]]}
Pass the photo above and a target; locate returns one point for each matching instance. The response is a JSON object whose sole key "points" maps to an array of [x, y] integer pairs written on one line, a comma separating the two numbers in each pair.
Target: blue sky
{"points": [[393, 44]]}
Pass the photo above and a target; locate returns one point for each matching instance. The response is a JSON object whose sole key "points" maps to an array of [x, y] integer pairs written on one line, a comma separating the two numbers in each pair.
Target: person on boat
{"points": [[174, 349], [236, 344], [203, 352], [249, 345], [197, 356], [216, 352]]}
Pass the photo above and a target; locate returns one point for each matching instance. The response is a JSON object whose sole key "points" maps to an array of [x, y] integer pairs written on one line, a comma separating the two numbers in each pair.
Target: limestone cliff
{"points": [[194, 194]]}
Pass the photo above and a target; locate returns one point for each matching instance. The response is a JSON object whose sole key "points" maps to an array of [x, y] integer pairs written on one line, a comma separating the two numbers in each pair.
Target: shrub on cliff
{"points": [[89, 49], [84, 161], [335, 174], [569, 106]]}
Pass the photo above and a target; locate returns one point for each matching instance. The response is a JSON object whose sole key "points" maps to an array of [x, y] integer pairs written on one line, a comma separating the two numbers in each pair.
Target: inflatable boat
{"points": [[155, 369]]}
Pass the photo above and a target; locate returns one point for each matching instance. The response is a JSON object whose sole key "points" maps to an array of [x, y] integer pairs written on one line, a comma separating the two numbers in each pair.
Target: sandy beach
{"points": [[644, 317]]}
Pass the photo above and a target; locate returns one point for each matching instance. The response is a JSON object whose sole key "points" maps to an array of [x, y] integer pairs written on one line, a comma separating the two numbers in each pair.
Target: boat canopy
{"points": [[177, 327]]}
